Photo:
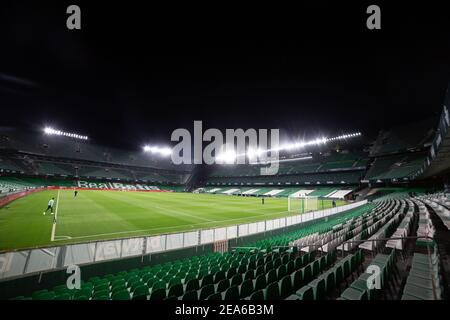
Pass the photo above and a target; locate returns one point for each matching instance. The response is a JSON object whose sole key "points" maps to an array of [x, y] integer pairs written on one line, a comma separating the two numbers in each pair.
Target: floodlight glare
{"points": [[228, 157], [165, 151], [252, 153], [51, 131], [162, 151]]}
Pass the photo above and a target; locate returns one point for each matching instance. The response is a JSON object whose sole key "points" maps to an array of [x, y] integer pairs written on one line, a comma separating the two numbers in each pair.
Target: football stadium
{"points": [[115, 186]]}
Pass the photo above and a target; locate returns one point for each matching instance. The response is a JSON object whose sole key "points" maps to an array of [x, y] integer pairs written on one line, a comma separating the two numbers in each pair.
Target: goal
{"points": [[302, 204]]}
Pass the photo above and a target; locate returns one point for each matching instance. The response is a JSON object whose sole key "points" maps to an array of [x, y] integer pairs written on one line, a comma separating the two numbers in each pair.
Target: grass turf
{"points": [[95, 215]]}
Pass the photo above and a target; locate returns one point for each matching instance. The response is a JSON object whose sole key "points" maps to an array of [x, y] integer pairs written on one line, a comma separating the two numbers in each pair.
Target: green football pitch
{"points": [[95, 215]]}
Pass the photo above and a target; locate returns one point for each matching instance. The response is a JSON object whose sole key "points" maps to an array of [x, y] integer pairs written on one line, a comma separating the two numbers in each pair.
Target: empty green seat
{"points": [[231, 273], [353, 294], [361, 285], [260, 282], [159, 285], [104, 292], [174, 281], [298, 263], [346, 267], [307, 273], [116, 289], [290, 267], [118, 283], [297, 279], [257, 295], [101, 287], [192, 284], [232, 293], [214, 296], [250, 274], [318, 286], [419, 292], [38, 293], [158, 294], [246, 288], [121, 295], [323, 263], [285, 285], [218, 276], [176, 290], [45, 296], [208, 279], [315, 267], [206, 291], [338, 275], [190, 295], [222, 285], [60, 289], [329, 281], [305, 293], [281, 272], [259, 271], [236, 280]]}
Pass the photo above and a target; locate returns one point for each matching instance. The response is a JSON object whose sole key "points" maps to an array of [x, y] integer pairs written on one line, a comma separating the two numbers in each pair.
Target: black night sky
{"points": [[133, 74]]}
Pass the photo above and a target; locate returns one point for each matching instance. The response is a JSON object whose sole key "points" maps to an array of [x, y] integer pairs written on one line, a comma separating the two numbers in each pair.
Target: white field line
{"points": [[177, 226], [55, 218], [63, 237]]}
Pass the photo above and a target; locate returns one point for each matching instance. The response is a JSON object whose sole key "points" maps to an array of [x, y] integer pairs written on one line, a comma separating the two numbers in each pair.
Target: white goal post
{"points": [[302, 204]]}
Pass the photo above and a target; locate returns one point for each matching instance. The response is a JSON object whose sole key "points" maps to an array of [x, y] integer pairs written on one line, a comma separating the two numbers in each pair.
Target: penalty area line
{"points": [[54, 219]]}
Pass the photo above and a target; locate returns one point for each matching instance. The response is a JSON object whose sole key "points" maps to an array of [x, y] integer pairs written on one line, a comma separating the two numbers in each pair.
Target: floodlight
{"points": [[228, 157], [165, 151], [48, 130], [51, 131]]}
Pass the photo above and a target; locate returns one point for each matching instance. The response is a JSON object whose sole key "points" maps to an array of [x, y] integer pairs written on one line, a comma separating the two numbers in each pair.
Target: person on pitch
{"points": [[50, 206]]}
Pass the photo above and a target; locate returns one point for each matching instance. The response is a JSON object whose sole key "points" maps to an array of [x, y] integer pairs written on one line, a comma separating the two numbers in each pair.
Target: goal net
{"points": [[302, 204]]}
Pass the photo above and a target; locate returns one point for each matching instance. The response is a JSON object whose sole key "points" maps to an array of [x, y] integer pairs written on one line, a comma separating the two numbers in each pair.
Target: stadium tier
{"points": [[39, 144], [280, 192], [352, 177], [329, 162], [45, 155], [395, 167], [403, 153]]}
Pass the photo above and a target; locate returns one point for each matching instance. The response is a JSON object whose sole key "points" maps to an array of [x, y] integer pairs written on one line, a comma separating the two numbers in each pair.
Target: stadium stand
{"points": [[334, 193], [49, 168], [330, 168], [39, 154], [402, 231], [404, 138], [400, 153], [10, 165], [39, 144], [321, 261], [438, 159], [395, 167]]}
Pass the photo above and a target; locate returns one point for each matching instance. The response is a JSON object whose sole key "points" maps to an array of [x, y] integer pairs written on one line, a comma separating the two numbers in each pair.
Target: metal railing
{"points": [[44, 259]]}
